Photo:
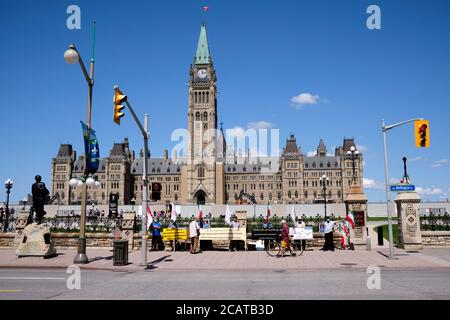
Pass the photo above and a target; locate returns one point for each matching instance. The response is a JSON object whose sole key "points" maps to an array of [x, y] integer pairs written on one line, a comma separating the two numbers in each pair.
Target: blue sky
{"points": [[265, 53]]}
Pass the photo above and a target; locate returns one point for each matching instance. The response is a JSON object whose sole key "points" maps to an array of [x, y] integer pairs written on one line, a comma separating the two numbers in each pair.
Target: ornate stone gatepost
{"points": [[129, 219], [407, 202], [356, 202]]}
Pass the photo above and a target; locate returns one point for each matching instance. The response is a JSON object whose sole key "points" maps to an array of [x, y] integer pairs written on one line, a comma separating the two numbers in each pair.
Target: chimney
{"points": [[166, 154]]}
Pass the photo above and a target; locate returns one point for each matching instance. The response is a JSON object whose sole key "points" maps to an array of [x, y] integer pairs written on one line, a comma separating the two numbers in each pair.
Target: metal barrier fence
{"points": [[435, 222]]}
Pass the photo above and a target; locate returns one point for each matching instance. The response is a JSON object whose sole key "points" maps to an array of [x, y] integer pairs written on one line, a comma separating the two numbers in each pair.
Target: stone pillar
{"points": [[21, 223], [356, 201], [128, 222], [409, 234]]}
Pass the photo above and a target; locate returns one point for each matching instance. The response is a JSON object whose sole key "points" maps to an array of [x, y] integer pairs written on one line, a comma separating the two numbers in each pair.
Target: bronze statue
{"points": [[39, 192]]}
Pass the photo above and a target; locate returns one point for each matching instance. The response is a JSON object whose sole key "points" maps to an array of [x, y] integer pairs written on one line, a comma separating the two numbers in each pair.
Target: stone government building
{"points": [[205, 174]]}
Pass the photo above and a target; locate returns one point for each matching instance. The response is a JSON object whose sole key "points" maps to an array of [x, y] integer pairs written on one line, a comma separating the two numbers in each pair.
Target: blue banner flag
{"points": [[91, 149]]}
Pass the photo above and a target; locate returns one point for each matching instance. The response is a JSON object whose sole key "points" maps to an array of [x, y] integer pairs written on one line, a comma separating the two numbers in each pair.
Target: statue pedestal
{"points": [[409, 234], [36, 242], [356, 202]]}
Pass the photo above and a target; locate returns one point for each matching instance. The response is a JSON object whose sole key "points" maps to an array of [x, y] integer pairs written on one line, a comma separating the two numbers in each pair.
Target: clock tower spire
{"points": [[202, 126]]}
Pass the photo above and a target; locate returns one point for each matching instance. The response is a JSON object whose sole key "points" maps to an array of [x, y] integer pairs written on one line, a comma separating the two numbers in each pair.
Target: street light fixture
{"points": [[24, 201], [353, 153], [8, 186], [324, 180], [72, 56]]}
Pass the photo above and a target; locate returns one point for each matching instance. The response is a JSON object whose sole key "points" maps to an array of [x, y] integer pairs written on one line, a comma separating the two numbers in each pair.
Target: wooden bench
{"points": [[224, 234]]}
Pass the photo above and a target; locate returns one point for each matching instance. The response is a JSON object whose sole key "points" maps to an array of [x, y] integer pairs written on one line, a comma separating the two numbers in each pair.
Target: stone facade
{"points": [[210, 171]]}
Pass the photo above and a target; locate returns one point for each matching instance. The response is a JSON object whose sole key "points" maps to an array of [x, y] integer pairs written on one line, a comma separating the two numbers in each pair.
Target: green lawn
{"points": [[380, 219], [386, 232]]}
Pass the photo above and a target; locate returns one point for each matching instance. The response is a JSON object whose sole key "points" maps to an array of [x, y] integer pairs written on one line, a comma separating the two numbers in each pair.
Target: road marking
{"points": [[30, 278], [10, 291]]}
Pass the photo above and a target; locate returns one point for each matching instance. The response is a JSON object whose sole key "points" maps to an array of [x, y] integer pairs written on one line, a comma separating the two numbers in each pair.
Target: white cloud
{"points": [[362, 148], [372, 184], [415, 159], [237, 132], [259, 125], [429, 191], [303, 99], [311, 153], [439, 163], [364, 163]]}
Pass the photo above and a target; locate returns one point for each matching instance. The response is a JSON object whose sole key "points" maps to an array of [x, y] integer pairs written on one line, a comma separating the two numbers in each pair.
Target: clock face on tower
{"points": [[202, 73]]}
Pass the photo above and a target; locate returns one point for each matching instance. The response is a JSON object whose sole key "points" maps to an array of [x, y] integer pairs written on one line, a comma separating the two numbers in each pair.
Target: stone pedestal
{"points": [[128, 221], [36, 241], [21, 223], [356, 201], [409, 234]]}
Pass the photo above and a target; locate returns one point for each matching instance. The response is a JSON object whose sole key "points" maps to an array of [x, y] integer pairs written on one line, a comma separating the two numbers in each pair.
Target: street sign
{"points": [[403, 188]]}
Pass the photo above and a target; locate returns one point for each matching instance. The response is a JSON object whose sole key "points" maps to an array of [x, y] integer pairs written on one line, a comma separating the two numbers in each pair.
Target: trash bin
{"points": [[380, 236], [120, 252]]}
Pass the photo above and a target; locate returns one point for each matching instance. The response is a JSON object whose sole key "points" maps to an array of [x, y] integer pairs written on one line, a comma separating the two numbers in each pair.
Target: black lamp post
{"points": [[324, 180], [8, 186], [353, 154]]}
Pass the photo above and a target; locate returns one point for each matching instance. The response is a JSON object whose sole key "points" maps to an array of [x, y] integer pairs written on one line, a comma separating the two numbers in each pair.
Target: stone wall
{"points": [[436, 239], [7, 240]]}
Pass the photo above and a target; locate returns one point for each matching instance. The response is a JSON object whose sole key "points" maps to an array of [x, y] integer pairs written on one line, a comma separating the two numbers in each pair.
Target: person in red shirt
{"points": [[285, 238]]}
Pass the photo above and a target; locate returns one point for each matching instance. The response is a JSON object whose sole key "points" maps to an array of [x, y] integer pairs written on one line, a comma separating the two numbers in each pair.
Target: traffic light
{"points": [[422, 133], [156, 191], [119, 98]]}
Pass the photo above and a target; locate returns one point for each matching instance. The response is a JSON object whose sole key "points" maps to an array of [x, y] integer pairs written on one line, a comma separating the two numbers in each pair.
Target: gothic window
{"points": [[314, 164], [306, 194], [279, 195], [270, 196], [201, 172], [195, 99], [330, 194], [197, 116], [203, 97], [207, 97], [289, 194], [306, 165], [176, 197], [328, 165], [321, 165], [205, 126], [296, 194], [205, 116], [235, 196], [262, 197], [339, 193]]}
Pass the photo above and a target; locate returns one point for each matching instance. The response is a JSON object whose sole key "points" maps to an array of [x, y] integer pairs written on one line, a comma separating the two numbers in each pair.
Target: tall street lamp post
{"points": [[324, 180], [353, 154], [8, 186], [72, 56]]}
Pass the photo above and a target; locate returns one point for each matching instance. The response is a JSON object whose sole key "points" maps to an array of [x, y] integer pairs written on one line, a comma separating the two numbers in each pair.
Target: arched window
{"points": [[306, 194], [262, 196], [203, 97], [270, 196], [196, 97], [315, 194], [330, 194], [205, 116], [176, 197], [197, 116], [207, 97], [289, 194], [339, 193], [296, 194]]}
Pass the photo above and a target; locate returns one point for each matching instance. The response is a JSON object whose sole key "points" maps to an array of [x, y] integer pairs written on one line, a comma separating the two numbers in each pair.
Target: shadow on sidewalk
{"points": [[152, 265]]}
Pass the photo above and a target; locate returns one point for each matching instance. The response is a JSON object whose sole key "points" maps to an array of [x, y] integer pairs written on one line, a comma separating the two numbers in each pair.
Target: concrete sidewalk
{"points": [[101, 259]]}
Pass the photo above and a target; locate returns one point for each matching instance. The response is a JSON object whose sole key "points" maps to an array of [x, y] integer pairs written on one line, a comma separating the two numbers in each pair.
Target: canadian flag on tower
{"points": [[205, 8]]}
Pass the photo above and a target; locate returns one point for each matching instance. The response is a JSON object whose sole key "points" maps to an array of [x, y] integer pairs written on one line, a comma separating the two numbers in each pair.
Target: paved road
{"points": [[209, 284]]}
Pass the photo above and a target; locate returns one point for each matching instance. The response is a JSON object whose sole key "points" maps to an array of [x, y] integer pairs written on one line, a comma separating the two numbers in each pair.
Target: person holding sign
{"points": [[156, 235], [234, 225], [194, 235], [328, 230]]}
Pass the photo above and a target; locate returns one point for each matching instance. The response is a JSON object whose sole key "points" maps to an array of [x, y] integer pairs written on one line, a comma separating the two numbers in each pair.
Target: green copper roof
{"points": [[202, 56]]}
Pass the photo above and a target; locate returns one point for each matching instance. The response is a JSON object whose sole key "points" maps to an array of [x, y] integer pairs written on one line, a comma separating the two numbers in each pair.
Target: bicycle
{"points": [[273, 248]]}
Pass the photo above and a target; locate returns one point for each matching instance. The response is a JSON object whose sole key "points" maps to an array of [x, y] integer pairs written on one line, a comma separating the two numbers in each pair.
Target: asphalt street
{"points": [[346, 283]]}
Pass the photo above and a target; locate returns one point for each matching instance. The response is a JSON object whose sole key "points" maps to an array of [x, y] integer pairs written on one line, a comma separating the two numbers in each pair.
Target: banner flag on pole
{"points": [[173, 216], [149, 217], [228, 214], [91, 149]]}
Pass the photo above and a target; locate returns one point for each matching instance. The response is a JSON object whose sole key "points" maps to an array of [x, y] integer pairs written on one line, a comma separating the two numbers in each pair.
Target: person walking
{"points": [[285, 238], [156, 234], [194, 233], [234, 225]]}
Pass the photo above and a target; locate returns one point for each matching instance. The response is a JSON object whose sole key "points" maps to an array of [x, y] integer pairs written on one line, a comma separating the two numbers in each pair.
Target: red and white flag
{"points": [[268, 215], [351, 219], [149, 217], [205, 9]]}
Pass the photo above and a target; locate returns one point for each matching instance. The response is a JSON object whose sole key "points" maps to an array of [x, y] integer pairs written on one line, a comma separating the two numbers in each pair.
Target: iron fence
{"points": [[435, 222]]}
